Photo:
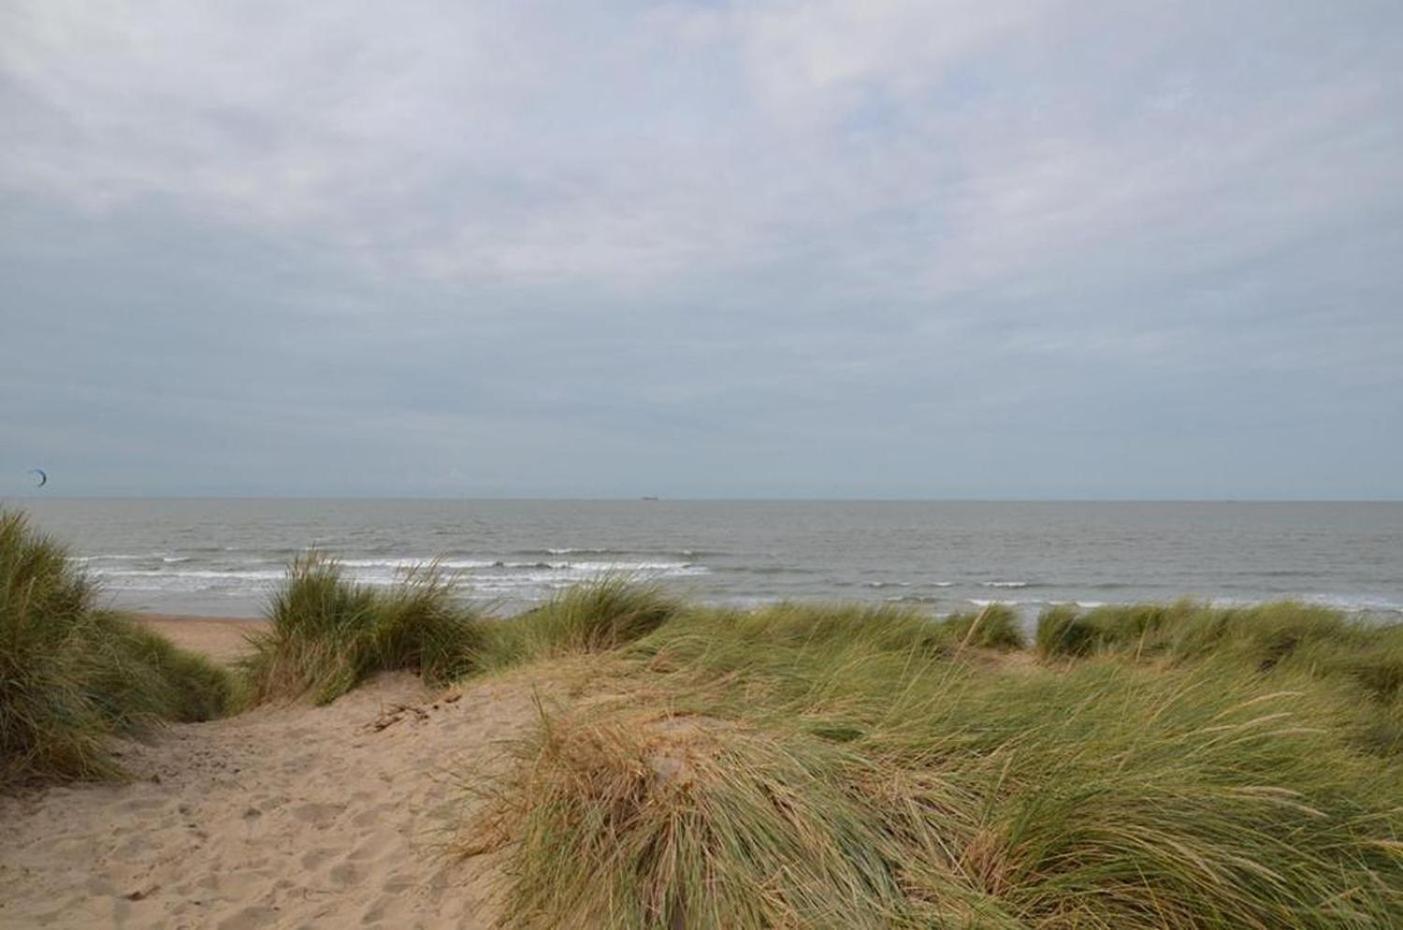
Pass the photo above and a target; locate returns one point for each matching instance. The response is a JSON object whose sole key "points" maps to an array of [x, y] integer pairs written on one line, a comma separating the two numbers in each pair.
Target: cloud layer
{"points": [[774, 249]]}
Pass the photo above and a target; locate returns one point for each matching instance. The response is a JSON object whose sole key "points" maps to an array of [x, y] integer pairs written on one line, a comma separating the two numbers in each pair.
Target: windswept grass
{"points": [[327, 634], [849, 767], [1285, 635], [71, 675], [604, 614], [637, 820], [993, 627], [829, 633]]}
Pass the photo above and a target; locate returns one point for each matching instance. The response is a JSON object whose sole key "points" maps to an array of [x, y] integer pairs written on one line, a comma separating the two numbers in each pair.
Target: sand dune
{"points": [[283, 817]]}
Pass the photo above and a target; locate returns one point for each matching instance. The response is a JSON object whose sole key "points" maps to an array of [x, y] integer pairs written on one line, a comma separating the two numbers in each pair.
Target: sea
{"points": [[222, 557]]}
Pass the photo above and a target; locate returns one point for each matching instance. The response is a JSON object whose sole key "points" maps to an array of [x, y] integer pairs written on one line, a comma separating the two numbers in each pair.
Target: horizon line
{"points": [[748, 499]]}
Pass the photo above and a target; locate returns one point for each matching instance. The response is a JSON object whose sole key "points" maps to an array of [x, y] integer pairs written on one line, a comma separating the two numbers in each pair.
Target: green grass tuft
{"points": [[994, 627], [71, 675], [642, 820], [827, 766], [1264, 636], [327, 634], [593, 617]]}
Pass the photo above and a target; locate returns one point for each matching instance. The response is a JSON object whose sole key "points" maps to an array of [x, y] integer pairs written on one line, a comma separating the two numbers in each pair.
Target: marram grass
{"points": [[803, 766], [326, 635], [639, 819], [596, 616], [995, 626], [71, 675], [1284, 635]]}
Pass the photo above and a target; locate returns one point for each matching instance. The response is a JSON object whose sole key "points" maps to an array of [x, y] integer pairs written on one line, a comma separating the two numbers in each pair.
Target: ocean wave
{"points": [[232, 574], [574, 575], [175, 574], [749, 601], [1004, 584], [404, 564], [629, 566], [595, 566], [608, 550], [1349, 603], [1355, 603], [116, 557], [778, 570]]}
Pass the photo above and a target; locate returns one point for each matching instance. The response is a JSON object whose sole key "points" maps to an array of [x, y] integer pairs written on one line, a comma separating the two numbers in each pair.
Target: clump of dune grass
{"points": [[995, 626], [71, 675], [327, 634], [594, 616], [829, 767], [1066, 629], [1265, 636], [640, 819], [1061, 631], [139, 675], [830, 630], [1360, 658], [1185, 629]]}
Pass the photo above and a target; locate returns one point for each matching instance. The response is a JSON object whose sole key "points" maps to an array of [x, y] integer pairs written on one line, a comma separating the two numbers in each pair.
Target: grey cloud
{"points": [[856, 248]]}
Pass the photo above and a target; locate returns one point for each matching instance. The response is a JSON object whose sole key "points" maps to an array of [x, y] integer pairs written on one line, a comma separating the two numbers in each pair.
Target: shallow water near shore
{"points": [[219, 557]]}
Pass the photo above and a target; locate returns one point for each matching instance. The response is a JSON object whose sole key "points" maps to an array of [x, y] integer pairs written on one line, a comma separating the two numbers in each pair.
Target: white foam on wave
{"points": [[472, 564], [982, 603], [1349, 603], [405, 564], [606, 550], [233, 574], [118, 557], [596, 567], [1355, 602], [483, 576], [1003, 584]]}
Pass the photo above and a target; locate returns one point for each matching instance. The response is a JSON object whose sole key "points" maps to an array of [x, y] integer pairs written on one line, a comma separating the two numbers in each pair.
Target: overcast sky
{"points": [[824, 249]]}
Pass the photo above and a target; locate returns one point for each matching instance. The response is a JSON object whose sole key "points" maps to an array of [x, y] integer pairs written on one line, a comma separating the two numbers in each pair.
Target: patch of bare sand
{"points": [[282, 817], [223, 639]]}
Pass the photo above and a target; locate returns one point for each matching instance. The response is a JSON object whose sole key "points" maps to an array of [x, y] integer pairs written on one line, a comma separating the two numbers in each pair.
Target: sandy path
{"points": [[283, 817]]}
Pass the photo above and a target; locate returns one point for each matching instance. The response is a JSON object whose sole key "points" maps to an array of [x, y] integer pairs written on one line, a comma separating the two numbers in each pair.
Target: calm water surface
{"points": [[219, 557]]}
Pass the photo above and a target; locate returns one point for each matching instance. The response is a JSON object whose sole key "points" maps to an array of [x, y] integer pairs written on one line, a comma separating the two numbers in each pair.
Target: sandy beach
{"points": [[223, 639], [291, 816]]}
